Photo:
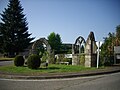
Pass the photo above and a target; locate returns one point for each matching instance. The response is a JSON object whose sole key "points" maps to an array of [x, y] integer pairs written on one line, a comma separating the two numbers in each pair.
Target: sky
{"points": [[70, 18]]}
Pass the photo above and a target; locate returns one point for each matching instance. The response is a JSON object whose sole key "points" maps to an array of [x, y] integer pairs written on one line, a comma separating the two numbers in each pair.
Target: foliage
{"points": [[108, 61], [117, 41], [60, 58], [107, 48], [41, 50], [68, 60], [14, 36], [33, 61], [45, 57], [52, 58], [82, 59], [108, 45], [65, 49], [55, 41], [19, 61]]}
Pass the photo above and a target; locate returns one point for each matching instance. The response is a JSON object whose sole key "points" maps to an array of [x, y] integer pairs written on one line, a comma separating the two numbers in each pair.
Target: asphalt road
{"points": [[3, 63], [102, 82]]}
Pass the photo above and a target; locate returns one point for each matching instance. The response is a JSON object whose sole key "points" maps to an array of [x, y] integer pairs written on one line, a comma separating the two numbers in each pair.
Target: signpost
{"points": [[98, 52]]}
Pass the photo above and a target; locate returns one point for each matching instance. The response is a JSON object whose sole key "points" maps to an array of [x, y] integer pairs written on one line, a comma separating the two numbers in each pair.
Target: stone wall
{"points": [[75, 59]]}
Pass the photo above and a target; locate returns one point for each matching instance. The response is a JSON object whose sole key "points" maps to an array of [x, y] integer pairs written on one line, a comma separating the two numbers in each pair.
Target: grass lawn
{"points": [[51, 69], [6, 59]]}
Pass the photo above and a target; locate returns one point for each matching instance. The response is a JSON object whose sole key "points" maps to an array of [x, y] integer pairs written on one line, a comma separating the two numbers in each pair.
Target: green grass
{"points": [[51, 69], [6, 59]]}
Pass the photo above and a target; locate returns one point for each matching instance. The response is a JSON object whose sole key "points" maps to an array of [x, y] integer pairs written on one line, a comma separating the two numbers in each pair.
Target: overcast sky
{"points": [[70, 18]]}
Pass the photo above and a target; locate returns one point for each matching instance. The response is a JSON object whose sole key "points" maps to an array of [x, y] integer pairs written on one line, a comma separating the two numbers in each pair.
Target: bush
{"points": [[60, 58], [19, 61], [82, 60], [109, 61], [44, 57], [68, 60], [33, 62]]}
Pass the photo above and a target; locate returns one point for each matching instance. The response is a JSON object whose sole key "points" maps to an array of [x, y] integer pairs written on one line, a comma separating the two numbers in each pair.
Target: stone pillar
{"points": [[90, 51], [73, 50], [75, 59]]}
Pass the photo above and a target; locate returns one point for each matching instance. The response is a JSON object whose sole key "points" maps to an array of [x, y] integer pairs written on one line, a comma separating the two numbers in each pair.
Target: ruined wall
{"points": [[37, 43], [90, 51]]}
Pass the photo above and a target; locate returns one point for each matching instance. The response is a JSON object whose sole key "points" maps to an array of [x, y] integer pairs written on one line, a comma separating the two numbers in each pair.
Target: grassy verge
{"points": [[50, 69], [6, 59]]}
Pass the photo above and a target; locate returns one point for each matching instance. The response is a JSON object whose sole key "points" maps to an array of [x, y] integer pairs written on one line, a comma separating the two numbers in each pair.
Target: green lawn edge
{"points": [[11, 69]]}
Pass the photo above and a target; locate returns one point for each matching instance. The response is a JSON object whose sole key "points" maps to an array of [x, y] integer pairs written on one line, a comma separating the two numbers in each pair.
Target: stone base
{"points": [[91, 60], [75, 59]]}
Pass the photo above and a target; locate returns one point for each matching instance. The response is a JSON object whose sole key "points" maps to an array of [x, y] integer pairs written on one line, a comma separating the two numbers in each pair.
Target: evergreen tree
{"points": [[14, 36]]}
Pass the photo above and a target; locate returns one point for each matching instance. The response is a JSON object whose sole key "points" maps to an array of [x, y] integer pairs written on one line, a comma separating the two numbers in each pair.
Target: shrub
{"points": [[82, 60], [19, 61], [33, 61], [60, 58], [68, 60], [109, 61], [44, 57]]}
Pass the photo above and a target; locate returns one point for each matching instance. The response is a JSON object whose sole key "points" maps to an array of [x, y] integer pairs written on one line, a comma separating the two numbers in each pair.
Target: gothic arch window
{"points": [[79, 45]]}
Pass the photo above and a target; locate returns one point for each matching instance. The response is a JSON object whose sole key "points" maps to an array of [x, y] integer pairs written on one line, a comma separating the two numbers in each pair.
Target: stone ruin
{"points": [[76, 50], [90, 50], [37, 44]]}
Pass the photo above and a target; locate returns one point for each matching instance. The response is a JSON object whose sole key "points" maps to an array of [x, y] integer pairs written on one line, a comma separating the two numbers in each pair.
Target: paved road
{"points": [[3, 63], [104, 82]]}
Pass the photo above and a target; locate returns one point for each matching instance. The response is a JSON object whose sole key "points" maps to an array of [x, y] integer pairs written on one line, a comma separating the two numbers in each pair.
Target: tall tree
{"points": [[107, 49], [55, 41], [108, 45], [117, 41], [14, 34]]}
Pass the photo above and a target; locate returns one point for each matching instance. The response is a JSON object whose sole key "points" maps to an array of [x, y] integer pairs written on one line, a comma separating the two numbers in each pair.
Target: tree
{"points": [[55, 41], [14, 34], [107, 50], [117, 41], [108, 45]]}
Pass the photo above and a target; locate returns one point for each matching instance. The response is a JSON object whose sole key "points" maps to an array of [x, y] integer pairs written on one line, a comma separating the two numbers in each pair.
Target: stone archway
{"points": [[76, 50], [77, 45], [90, 51], [37, 43]]}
